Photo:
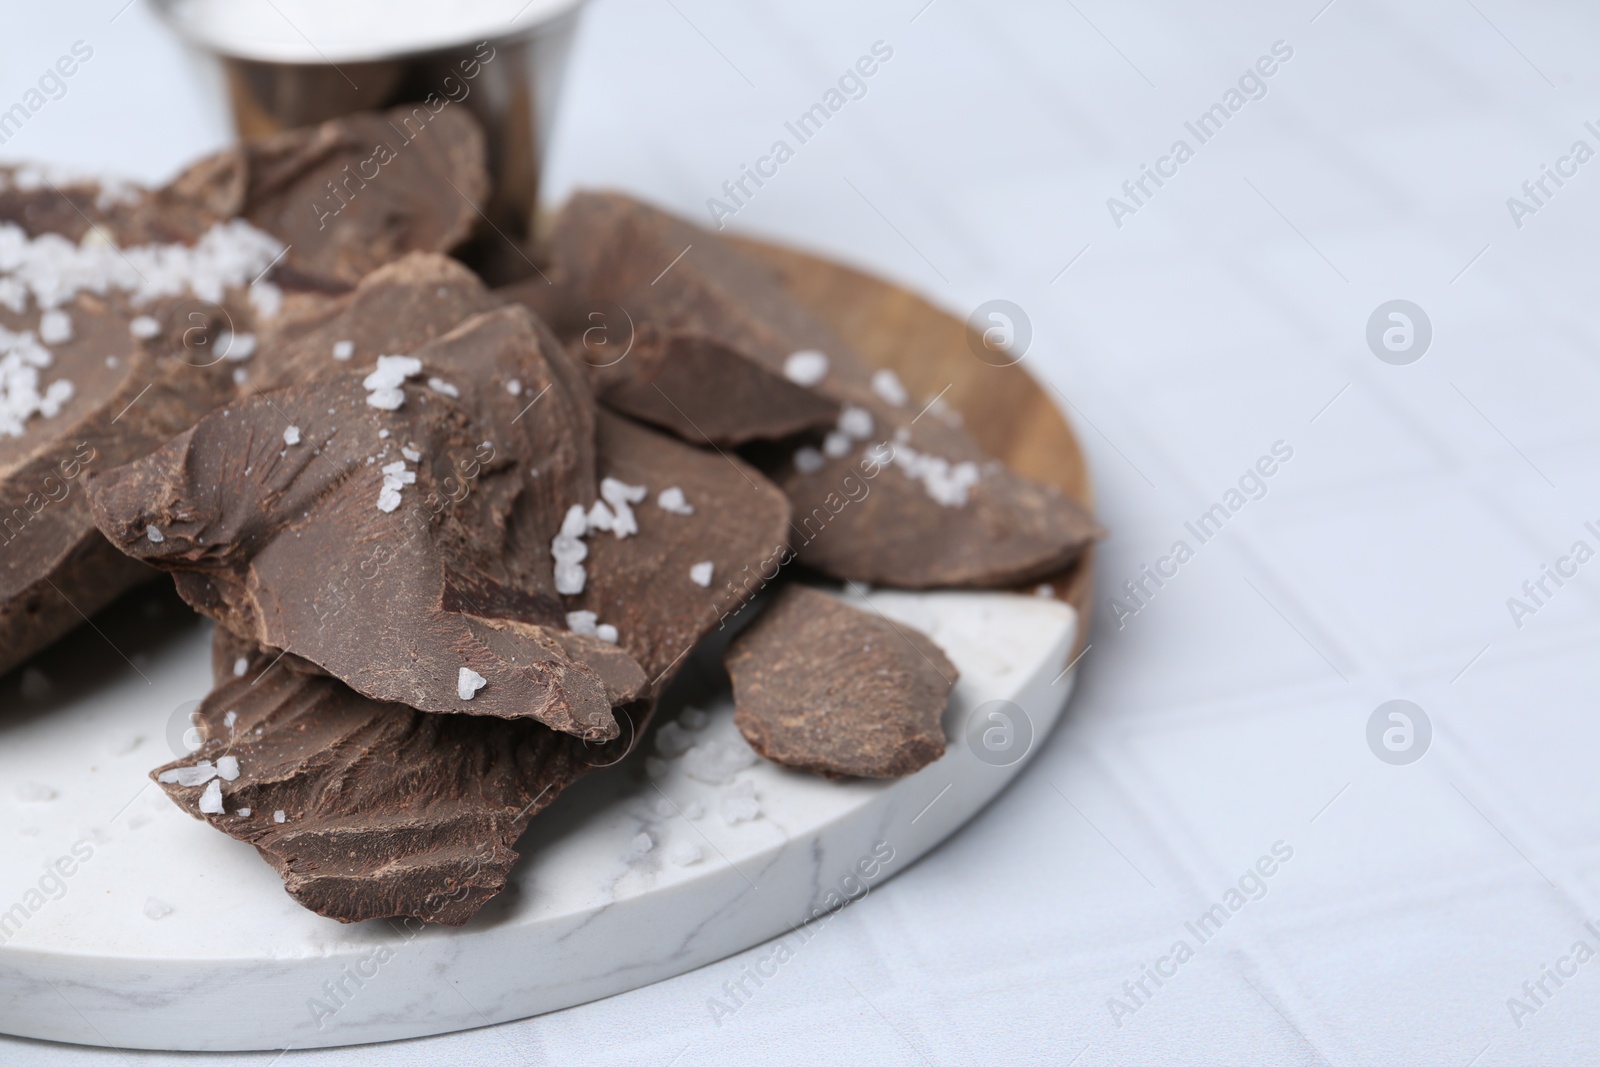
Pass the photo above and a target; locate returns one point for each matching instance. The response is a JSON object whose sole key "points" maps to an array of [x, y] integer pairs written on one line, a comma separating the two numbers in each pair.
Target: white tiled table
{"points": [[1224, 316]]}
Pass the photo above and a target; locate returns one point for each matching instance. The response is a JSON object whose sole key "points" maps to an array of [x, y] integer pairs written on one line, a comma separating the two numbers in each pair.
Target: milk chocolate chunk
{"points": [[353, 193], [719, 537], [367, 809], [921, 506], [390, 532], [396, 308], [710, 331], [838, 690]]}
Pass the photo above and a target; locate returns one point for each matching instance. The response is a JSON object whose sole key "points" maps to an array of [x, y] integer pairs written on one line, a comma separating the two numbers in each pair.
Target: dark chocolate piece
{"points": [[646, 584], [385, 811], [353, 193], [839, 690], [710, 331], [406, 552], [921, 506]]}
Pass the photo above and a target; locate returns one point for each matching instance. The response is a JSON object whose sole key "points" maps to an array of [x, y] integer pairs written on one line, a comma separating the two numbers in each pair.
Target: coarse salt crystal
{"points": [[144, 327], [244, 813], [410, 453], [685, 854], [739, 804], [388, 399], [836, 445], [189, 777], [236, 347], [266, 298], [211, 799], [672, 741], [514, 387], [581, 622], [280, 816], [240, 665], [468, 682], [673, 500], [55, 327], [154, 535], [807, 367], [439, 385], [700, 574], [887, 385], [156, 909], [642, 843], [857, 422], [291, 435], [231, 718], [608, 633], [388, 499], [343, 350], [228, 767], [621, 496], [808, 460]]}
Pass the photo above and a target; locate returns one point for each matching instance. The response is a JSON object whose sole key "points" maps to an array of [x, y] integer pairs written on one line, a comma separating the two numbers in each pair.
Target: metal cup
{"points": [[507, 71]]}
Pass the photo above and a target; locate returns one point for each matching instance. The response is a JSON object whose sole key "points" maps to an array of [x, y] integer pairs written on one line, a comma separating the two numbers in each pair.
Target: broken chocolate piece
{"points": [[366, 809], [353, 193], [839, 690], [920, 506], [644, 584], [400, 545], [710, 331]]}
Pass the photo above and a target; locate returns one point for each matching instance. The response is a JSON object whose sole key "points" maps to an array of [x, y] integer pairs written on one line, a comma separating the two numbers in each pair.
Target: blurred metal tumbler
{"points": [[287, 63]]}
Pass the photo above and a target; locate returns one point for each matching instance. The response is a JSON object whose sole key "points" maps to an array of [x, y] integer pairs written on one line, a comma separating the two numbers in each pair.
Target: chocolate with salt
{"points": [[882, 491], [367, 809], [140, 310], [387, 527], [705, 331], [839, 690]]}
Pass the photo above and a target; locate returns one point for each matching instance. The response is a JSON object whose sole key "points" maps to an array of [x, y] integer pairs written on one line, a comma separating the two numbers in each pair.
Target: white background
{"points": [[1229, 313]]}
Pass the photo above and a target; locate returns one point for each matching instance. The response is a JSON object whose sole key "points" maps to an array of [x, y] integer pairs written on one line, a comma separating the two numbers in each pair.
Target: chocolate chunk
{"points": [[839, 690], [385, 811], [396, 308], [710, 330], [353, 193], [734, 538], [921, 506], [417, 566]]}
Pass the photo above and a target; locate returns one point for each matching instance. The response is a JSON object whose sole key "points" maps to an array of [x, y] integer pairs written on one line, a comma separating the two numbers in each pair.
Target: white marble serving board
{"points": [[169, 935]]}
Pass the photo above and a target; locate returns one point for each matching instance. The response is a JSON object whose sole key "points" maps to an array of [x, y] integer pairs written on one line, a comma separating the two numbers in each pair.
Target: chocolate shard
{"points": [[826, 687], [396, 308], [693, 563], [399, 541], [911, 502], [367, 810], [353, 193], [710, 330]]}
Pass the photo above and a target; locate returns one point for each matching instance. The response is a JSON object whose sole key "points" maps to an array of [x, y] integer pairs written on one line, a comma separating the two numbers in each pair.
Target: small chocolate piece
{"points": [[353, 193], [732, 525], [398, 307], [405, 551], [921, 506], [713, 331], [368, 810], [829, 688]]}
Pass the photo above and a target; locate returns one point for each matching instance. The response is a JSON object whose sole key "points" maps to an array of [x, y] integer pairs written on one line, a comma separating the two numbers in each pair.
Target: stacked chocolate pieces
{"points": [[456, 554]]}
